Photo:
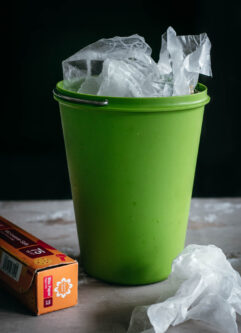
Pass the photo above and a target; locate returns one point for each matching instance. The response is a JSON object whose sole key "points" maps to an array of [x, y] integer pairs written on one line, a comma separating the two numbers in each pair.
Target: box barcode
{"points": [[10, 266]]}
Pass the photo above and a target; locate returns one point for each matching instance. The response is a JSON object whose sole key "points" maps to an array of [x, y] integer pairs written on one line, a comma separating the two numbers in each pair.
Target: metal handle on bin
{"points": [[80, 100]]}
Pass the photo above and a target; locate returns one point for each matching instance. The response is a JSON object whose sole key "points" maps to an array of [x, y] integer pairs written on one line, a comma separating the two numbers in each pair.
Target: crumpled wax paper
{"points": [[123, 66], [202, 286]]}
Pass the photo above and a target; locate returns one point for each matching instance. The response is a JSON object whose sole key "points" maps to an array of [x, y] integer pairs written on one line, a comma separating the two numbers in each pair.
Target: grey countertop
{"points": [[105, 308]]}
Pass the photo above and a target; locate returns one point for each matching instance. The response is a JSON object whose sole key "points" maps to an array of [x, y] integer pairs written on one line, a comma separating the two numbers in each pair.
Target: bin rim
{"points": [[132, 104]]}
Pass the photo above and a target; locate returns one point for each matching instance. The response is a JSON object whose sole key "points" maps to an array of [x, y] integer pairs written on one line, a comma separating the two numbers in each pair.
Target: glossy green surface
{"points": [[131, 167]]}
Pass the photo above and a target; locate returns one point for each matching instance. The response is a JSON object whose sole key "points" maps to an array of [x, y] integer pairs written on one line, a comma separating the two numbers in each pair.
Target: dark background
{"points": [[32, 156]]}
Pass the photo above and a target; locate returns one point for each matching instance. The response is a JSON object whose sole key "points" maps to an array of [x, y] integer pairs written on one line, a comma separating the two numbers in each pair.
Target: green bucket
{"points": [[131, 163]]}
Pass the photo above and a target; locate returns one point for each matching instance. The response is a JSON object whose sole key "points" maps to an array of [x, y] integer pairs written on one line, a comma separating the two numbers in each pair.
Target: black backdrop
{"points": [[32, 157]]}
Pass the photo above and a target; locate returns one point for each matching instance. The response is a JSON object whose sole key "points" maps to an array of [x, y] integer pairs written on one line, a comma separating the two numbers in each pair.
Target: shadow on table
{"points": [[111, 319], [10, 304]]}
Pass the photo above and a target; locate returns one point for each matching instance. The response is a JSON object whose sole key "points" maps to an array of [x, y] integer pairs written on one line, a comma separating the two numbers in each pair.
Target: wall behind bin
{"points": [[32, 157]]}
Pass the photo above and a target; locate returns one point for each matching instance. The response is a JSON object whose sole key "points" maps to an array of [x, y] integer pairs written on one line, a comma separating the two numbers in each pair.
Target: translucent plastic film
{"points": [[123, 66], [202, 286]]}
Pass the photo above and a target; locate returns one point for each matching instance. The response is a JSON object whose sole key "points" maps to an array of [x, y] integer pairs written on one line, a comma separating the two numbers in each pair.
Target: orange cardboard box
{"points": [[43, 278]]}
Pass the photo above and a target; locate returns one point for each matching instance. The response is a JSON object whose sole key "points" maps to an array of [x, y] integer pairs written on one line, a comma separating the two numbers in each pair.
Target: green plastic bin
{"points": [[131, 163]]}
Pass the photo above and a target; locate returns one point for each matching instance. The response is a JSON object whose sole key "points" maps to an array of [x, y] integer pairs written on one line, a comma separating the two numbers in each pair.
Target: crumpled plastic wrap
{"points": [[182, 58], [123, 66], [118, 66], [202, 286]]}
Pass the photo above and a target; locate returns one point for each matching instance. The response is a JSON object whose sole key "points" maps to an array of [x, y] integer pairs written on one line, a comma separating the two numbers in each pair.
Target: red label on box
{"points": [[48, 286], [3, 225], [36, 251], [48, 302], [45, 245], [15, 238]]}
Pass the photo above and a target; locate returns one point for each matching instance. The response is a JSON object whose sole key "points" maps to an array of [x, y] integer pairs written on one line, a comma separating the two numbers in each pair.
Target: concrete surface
{"points": [[105, 308]]}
